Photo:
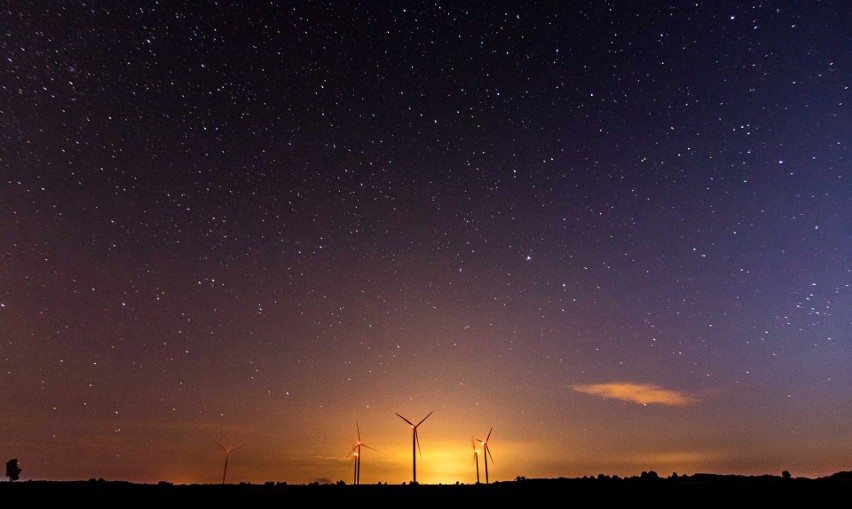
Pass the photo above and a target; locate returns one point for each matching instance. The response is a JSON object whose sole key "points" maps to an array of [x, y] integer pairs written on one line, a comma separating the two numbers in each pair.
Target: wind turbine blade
{"points": [[488, 451], [421, 421], [359, 430], [417, 439], [220, 445], [368, 447], [406, 420], [489, 434]]}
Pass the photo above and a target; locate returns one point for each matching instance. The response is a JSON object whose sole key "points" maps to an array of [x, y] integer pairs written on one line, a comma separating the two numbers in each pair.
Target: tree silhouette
{"points": [[13, 471]]}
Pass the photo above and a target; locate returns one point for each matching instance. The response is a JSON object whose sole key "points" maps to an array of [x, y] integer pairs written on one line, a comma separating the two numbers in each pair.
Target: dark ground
{"points": [[700, 490]]}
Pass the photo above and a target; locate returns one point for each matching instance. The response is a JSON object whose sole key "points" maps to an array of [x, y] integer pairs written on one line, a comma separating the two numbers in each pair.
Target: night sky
{"points": [[617, 233]]}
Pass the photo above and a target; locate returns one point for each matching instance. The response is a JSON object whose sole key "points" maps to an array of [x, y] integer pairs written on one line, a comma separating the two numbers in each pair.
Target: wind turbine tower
{"points": [[227, 455], [356, 451], [475, 458], [487, 452], [415, 445]]}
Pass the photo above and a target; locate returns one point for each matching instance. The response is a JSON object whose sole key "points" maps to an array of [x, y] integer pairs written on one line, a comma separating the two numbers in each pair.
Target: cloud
{"points": [[643, 394]]}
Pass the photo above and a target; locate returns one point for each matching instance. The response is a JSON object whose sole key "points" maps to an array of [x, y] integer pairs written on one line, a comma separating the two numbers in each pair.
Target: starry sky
{"points": [[617, 233]]}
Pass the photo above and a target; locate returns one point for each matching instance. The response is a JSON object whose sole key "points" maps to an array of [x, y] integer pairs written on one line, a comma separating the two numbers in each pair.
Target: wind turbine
{"points": [[357, 452], [227, 455], [415, 442], [487, 452], [475, 457]]}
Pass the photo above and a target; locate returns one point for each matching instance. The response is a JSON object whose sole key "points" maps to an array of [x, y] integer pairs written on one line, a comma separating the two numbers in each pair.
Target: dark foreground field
{"points": [[699, 490]]}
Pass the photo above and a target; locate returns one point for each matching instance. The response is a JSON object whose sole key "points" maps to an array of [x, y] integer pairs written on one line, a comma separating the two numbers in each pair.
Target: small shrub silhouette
{"points": [[13, 471]]}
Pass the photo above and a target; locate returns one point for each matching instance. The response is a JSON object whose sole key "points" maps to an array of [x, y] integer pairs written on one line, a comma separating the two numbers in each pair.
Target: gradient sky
{"points": [[617, 233]]}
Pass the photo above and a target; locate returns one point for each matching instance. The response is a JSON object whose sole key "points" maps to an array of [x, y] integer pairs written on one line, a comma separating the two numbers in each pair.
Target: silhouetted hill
{"points": [[841, 476], [704, 489]]}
